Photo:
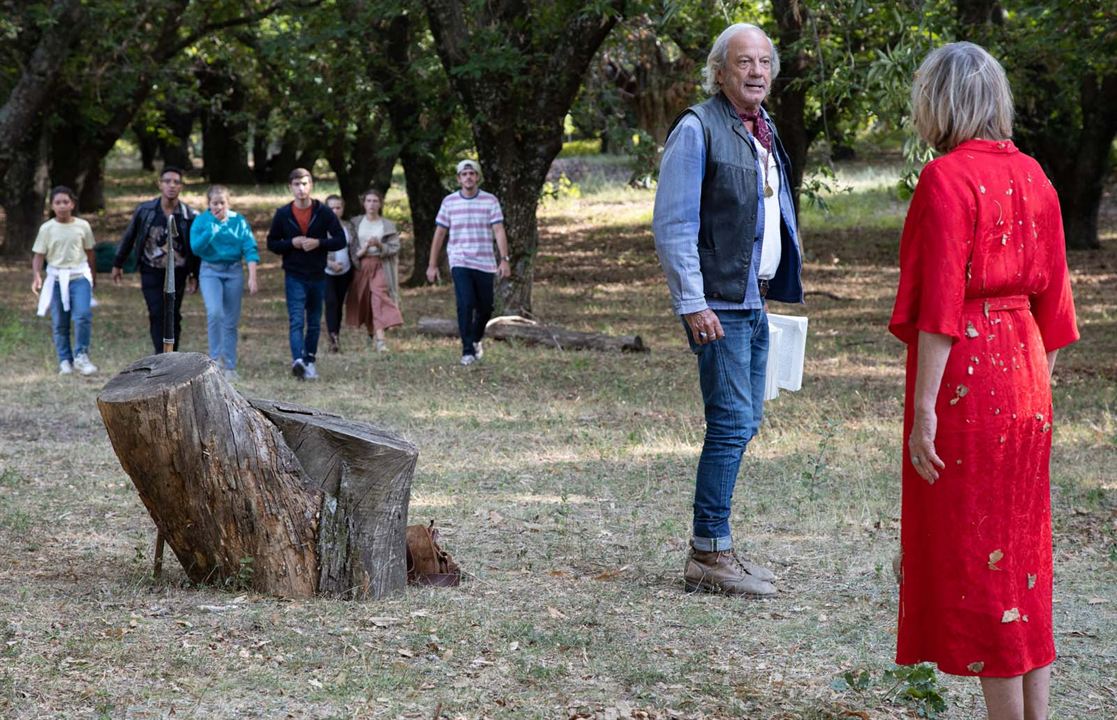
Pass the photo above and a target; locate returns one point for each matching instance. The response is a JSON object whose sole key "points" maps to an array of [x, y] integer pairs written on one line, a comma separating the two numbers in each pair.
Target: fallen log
{"points": [[532, 333], [287, 500]]}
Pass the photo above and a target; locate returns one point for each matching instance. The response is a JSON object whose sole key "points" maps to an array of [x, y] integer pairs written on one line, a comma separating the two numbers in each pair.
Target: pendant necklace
{"points": [[768, 192]]}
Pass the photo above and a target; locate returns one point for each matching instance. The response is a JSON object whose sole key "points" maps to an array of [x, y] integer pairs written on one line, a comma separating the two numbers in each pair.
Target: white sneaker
{"points": [[311, 371], [82, 364], [380, 346], [231, 375], [65, 368], [478, 351], [469, 359]]}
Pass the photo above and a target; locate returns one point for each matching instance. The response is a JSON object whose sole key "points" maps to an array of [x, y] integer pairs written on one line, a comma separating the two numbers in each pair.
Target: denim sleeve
{"points": [[675, 219]]}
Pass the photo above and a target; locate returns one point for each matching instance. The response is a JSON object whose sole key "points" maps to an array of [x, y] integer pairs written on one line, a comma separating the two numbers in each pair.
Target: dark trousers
{"points": [[473, 289], [337, 286], [151, 282]]}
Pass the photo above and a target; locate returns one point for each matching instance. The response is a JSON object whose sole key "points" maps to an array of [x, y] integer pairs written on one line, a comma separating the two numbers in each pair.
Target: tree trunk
{"points": [[261, 164], [360, 165], [224, 129], [531, 333], [516, 148], [92, 195], [424, 194], [237, 504], [176, 150], [23, 191], [1076, 158], [365, 475], [148, 143], [789, 93]]}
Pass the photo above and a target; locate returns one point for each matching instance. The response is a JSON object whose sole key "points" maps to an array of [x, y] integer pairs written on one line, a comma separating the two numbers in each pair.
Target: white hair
{"points": [[960, 92], [715, 61]]}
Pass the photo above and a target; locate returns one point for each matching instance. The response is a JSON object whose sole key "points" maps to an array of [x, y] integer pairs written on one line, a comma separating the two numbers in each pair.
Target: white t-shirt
{"points": [[770, 246], [64, 244]]}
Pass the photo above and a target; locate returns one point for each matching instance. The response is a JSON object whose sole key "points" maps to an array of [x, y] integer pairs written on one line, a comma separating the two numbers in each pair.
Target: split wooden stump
{"points": [[290, 500], [511, 327]]}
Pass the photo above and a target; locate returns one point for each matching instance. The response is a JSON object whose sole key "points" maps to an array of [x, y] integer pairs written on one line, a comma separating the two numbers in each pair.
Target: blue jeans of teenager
{"points": [[222, 285], [473, 290], [81, 293], [304, 315], [731, 374]]}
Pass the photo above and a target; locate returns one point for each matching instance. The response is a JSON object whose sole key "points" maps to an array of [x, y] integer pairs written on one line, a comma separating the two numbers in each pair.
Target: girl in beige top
{"points": [[374, 295]]}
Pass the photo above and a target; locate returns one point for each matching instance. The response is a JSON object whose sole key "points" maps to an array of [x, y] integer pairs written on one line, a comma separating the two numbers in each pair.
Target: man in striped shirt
{"points": [[472, 218]]}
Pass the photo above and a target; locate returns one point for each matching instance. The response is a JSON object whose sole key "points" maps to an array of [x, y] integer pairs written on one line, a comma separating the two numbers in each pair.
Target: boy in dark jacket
{"points": [[304, 232], [146, 236]]}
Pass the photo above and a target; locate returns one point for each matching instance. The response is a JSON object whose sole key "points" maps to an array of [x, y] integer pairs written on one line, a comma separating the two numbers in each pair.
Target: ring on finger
{"points": [[702, 334], [916, 460]]}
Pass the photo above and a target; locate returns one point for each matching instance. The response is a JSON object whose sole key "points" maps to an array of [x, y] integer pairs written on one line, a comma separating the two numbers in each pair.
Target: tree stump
{"points": [[513, 327], [287, 500]]}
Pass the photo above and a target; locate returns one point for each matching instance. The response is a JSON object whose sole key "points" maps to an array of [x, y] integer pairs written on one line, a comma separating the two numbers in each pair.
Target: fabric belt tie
{"points": [[62, 276], [998, 304]]}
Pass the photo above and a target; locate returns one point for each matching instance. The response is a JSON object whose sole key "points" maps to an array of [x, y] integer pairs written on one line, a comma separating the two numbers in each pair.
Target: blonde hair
{"points": [[720, 51], [216, 190], [959, 93]]}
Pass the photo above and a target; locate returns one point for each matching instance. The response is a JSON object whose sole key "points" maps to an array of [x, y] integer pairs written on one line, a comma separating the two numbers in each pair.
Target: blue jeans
{"points": [[81, 292], [222, 285], [473, 290], [304, 309], [731, 374]]}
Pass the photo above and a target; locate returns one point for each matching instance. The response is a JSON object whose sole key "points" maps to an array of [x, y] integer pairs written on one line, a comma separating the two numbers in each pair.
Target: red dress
{"points": [[982, 259]]}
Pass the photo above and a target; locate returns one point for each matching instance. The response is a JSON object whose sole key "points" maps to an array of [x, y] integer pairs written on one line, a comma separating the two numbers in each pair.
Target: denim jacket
{"points": [[678, 212]]}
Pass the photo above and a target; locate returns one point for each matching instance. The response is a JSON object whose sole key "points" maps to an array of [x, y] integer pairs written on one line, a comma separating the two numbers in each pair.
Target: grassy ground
{"points": [[562, 482]]}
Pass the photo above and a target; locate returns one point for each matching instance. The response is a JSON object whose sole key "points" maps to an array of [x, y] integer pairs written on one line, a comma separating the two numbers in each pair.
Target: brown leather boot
{"points": [[723, 572]]}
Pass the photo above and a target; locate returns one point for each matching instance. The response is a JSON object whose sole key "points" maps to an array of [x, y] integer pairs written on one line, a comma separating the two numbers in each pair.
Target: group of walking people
{"points": [[347, 267], [983, 304]]}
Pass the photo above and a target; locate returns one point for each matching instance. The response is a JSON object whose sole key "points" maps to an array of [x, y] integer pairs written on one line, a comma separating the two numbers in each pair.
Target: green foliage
{"points": [[243, 579], [913, 685], [560, 189], [917, 686]]}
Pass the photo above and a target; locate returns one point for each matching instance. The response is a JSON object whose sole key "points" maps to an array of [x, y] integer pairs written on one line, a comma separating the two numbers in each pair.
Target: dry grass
{"points": [[562, 482]]}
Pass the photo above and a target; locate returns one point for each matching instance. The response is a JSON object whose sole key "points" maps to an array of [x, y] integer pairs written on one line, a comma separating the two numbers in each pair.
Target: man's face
{"points": [[337, 206], [300, 188], [468, 179], [747, 74], [170, 184]]}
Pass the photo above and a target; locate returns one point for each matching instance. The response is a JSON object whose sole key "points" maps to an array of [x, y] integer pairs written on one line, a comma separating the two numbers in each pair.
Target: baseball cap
{"points": [[470, 165]]}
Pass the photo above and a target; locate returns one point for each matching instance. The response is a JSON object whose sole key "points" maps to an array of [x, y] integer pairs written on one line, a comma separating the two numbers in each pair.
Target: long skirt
{"points": [[370, 301]]}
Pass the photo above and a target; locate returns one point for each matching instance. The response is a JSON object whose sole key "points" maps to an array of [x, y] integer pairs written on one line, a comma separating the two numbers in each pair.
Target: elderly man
{"points": [[725, 232]]}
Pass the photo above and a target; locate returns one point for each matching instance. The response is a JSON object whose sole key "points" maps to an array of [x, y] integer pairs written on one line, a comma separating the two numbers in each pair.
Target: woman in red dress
{"points": [[984, 304]]}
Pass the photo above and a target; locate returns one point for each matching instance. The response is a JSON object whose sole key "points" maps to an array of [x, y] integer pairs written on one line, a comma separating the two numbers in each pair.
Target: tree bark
{"points": [[789, 93], [530, 333], [517, 148], [23, 176], [1076, 158], [360, 164], [23, 191], [237, 504], [224, 128], [365, 475]]}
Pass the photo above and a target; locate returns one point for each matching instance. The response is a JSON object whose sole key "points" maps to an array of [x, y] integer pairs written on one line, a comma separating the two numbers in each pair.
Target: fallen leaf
{"points": [[610, 574], [1011, 615], [404, 652], [994, 558], [383, 622], [976, 667], [1096, 601], [555, 613]]}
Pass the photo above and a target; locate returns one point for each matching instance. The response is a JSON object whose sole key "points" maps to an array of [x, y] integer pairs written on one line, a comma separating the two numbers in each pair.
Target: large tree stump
{"points": [[223, 485], [533, 333]]}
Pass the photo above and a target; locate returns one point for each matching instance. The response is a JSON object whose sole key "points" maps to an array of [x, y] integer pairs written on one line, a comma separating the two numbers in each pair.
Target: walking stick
{"points": [[168, 346]]}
